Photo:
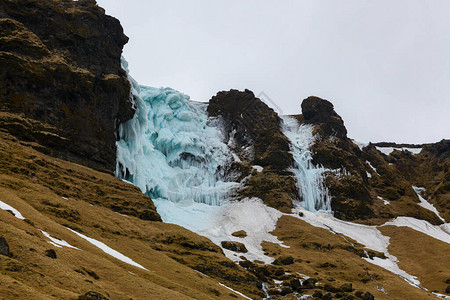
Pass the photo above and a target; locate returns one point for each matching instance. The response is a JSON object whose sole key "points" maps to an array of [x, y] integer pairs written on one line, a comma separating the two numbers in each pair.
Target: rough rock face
{"points": [[360, 181], [60, 66], [321, 112], [253, 131]]}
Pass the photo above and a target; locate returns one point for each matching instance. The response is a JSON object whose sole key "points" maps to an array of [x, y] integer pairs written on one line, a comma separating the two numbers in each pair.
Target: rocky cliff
{"points": [[60, 69]]}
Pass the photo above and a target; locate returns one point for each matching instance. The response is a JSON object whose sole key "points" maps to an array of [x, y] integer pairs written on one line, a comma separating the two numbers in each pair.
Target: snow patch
{"points": [[258, 169], [389, 150], [438, 232], [109, 250], [425, 204], [370, 165], [391, 265], [386, 202], [234, 291], [57, 242], [15, 212], [369, 236], [218, 223]]}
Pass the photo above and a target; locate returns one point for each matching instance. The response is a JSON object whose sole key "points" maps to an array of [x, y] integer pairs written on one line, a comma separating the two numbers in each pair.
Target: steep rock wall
{"points": [[60, 69]]}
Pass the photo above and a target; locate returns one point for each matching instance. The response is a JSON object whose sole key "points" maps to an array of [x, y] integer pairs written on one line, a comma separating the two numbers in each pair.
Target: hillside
{"points": [[113, 190]]}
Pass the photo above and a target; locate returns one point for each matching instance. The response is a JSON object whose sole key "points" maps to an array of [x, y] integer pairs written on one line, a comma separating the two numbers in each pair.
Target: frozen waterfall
{"points": [[173, 152], [315, 196], [170, 149]]}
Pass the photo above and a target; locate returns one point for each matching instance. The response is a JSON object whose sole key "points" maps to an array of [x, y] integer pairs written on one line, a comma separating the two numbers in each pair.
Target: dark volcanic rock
{"points": [[254, 132], [51, 253], [60, 66], [4, 247], [318, 111]]}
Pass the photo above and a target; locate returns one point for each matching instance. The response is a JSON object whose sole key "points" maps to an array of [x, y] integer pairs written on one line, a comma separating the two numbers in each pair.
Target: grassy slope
{"points": [[34, 184], [313, 247]]}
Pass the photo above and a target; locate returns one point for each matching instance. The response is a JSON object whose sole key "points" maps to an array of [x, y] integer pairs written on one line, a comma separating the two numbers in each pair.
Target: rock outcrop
{"points": [[253, 131], [61, 82], [362, 181]]}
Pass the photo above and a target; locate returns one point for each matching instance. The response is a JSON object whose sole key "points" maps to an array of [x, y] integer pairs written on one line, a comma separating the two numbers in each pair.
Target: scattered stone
{"points": [[273, 292], [318, 294], [447, 290], [300, 214], [295, 284], [50, 253], [359, 294], [246, 264], [240, 233], [327, 296], [447, 281], [339, 295], [4, 247], [92, 274], [285, 290], [368, 296], [278, 272], [310, 282], [346, 287], [329, 288], [92, 296], [284, 260], [234, 246]]}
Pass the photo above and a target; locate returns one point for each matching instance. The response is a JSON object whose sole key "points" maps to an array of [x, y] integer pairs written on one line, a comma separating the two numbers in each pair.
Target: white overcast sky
{"points": [[385, 65]]}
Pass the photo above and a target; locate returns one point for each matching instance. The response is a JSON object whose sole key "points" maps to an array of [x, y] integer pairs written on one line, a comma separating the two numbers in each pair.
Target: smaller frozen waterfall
{"points": [[309, 178]]}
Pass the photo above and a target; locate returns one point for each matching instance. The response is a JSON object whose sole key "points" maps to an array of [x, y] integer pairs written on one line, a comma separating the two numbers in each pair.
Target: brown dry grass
{"points": [[313, 247], [421, 255], [34, 184]]}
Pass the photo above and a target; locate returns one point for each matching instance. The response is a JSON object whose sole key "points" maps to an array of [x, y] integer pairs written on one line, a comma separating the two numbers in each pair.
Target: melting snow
{"points": [[369, 236], [234, 291], [109, 250], [15, 212], [425, 204], [57, 242], [258, 169], [438, 232], [386, 202], [218, 223], [370, 165]]}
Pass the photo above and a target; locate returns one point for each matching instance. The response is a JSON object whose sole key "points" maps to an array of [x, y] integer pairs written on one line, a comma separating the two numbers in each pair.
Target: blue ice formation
{"points": [[171, 150], [314, 194]]}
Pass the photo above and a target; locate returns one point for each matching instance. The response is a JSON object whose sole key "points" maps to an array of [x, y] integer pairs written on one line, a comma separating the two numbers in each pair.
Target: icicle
{"points": [[309, 178]]}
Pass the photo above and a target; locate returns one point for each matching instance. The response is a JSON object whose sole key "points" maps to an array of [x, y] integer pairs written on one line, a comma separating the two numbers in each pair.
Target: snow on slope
{"points": [[109, 250], [15, 212], [425, 204], [389, 150], [57, 242], [368, 236], [439, 232], [218, 223]]}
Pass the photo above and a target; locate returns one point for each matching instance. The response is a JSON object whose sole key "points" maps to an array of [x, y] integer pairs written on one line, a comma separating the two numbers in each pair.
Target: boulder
{"points": [[50, 253], [284, 260], [234, 246], [4, 247]]}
